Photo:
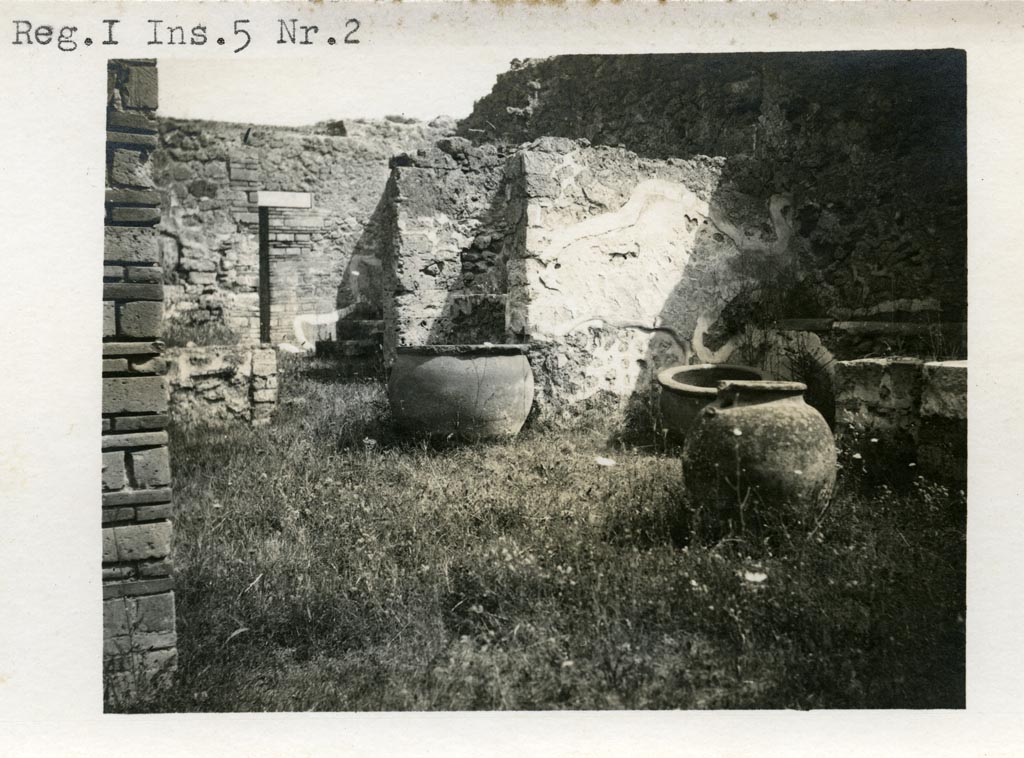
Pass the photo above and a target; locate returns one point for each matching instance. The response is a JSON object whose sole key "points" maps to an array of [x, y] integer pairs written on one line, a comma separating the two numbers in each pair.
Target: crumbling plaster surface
{"points": [[623, 263], [867, 147]]}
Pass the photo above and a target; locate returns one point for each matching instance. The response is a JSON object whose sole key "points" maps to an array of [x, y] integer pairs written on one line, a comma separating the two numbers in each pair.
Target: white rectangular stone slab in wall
{"points": [[284, 199]]}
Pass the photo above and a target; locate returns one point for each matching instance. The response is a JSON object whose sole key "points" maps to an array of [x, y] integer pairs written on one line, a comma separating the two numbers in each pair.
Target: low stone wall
{"points": [[221, 384], [942, 440], [915, 412]]}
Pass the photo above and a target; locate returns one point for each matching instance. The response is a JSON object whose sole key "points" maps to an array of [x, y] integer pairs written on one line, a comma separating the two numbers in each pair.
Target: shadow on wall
{"points": [[360, 289], [862, 179]]}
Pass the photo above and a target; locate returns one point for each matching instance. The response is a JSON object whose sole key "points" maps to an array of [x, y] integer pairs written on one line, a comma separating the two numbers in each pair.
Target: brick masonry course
{"points": [[139, 623]]}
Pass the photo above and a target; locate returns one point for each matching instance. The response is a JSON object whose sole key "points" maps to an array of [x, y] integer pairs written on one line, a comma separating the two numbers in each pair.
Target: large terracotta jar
{"points": [[685, 390], [461, 391], [759, 452]]}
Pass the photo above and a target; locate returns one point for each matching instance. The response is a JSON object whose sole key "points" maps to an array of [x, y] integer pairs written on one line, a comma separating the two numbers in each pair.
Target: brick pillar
{"points": [[139, 642]]}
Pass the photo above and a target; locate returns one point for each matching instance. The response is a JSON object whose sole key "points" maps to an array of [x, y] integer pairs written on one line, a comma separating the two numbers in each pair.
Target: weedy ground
{"points": [[322, 565]]}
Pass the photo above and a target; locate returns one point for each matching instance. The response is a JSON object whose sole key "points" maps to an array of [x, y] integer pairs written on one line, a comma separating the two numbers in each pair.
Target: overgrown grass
{"points": [[321, 565]]}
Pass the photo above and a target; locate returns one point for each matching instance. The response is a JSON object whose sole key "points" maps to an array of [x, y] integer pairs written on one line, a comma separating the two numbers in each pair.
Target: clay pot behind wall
{"points": [[760, 444], [685, 390], [461, 391]]}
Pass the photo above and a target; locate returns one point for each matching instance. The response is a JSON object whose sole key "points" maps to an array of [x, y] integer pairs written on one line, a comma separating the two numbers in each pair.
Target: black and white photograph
{"points": [[521, 375]]}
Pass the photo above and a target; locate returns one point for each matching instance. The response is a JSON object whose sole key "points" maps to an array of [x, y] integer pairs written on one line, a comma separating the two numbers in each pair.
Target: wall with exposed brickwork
{"points": [[447, 230], [869, 148], [138, 598], [320, 259]]}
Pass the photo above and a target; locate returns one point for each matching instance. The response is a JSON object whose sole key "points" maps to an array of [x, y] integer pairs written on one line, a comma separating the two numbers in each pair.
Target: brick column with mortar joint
{"points": [[139, 640]]}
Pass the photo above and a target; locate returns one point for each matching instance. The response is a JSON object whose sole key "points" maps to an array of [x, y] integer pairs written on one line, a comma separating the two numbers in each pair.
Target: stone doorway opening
{"points": [[287, 223]]}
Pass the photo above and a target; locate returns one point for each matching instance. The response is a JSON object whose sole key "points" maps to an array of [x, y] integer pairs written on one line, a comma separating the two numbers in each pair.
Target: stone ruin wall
{"points": [[905, 412], [139, 640], [446, 234], [829, 221], [321, 259], [869, 148]]}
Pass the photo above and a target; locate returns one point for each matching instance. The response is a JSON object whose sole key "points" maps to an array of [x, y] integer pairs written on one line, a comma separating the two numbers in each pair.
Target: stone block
{"points": [[113, 515], [201, 277], [113, 273], [110, 554], [126, 291], [264, 396], [239, 174], [109, 320], [138, 587], [140, 319], [133, 197], [130, 121], [131, 245], [134, 542], [265, 382], [140, 90], [944, 392], [115, 365], [155, 613], [157, 568], [146, 274], [150, 468], [136, 497], [118, 573], [114, 349], [130, 139], [115, 476], [264, 362], [142, 394], [130, 168], [125, 214], [197, 264], [151, 422], [882, 386], [139, 623], [153, 512], [157, 365], [140, 642]]}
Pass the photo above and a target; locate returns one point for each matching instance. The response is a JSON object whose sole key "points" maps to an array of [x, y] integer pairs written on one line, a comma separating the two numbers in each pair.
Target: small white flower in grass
{"points": [[603, 461], [755, 577], [797, 471], [857, 456], [874, 439], [737, 432], [911, 465]]}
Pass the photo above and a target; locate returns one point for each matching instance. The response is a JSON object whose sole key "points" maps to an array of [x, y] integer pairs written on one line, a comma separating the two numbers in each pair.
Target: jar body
{"points": [[461, 391], [758, 452]]}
